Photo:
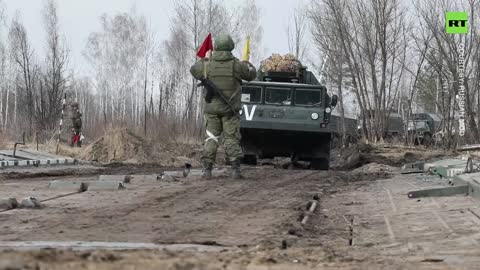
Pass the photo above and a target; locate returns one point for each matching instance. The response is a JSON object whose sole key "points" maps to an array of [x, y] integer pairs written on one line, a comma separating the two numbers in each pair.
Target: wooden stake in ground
{"points": [[64, 102]]}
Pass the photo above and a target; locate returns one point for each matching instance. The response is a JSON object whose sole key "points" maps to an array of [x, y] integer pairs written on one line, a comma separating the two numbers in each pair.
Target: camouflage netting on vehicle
{"points": [[282, 63]]}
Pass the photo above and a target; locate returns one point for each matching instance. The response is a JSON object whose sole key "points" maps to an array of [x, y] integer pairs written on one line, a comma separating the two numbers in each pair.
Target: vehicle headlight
{"points": [[314, 116], [328, 110], [240, 112], [359, 127]]}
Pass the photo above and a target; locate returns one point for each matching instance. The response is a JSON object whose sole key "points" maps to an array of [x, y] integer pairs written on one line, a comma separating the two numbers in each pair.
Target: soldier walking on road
{"points": [[222, 116], [76, 126]]}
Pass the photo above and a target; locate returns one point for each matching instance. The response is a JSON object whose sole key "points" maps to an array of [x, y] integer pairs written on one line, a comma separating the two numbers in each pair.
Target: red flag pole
{"points": [[206, 46], [209, 47]]}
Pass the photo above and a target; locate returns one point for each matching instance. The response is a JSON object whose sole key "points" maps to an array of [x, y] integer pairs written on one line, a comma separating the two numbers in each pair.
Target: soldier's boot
{"points": [[207, 170], [236, 172]]}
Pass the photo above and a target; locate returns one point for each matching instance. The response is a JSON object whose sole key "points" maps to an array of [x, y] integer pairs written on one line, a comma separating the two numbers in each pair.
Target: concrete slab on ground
{"points": [[105, 185], [73, 186], [144, 177], [120, 178], [7, 158], [470, 177], [8, 203], [194, 173], [472, 180], [21, 154], [44, 155], [19, 162], [26, 157], [129, 178], [87, 245], [445, 163]]}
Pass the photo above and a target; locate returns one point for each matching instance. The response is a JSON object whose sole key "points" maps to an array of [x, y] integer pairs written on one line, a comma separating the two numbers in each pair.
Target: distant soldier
{"points": [[226, 72], [76, 126]]}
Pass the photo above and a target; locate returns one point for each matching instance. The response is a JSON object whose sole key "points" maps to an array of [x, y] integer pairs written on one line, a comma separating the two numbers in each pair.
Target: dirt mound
{"points": [[125, 146], [386, 156], [374, 168], [119, 145]]}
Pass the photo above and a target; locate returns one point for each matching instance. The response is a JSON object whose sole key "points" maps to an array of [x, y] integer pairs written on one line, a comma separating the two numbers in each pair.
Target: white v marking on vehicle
{"points": [[249, 116]]}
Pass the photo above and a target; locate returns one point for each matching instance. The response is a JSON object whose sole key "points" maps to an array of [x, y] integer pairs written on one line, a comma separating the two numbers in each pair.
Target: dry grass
{"points": [[3, 142], [123, 145], [119, 145]]}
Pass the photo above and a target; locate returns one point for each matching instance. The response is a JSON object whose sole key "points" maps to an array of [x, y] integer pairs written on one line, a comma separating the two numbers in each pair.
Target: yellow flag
{"points": [[246, 50]]}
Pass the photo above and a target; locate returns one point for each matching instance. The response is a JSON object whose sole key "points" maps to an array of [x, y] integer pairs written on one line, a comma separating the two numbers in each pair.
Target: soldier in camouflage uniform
{"points": [[76, 126], [226, 72]]}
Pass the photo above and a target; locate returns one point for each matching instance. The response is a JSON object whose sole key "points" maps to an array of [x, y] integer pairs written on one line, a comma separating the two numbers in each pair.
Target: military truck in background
{"points": [[351, 131], [393, 125], [286, 114], [422, 127]]}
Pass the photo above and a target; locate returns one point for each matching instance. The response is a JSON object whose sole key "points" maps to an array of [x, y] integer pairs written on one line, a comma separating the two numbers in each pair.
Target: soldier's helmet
{"points": [[74, 105], [224, 42]]}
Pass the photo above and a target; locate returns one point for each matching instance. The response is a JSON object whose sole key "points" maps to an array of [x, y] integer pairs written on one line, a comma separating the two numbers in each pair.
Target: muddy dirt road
{"points": [[261, 208], [364, 221]]}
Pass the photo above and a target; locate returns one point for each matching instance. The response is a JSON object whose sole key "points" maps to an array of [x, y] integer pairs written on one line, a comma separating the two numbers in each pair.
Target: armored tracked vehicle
{"points": [[286, 114]]}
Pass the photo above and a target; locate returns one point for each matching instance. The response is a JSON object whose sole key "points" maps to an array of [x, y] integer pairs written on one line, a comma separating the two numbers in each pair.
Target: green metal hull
{"points": [[286, 130]]}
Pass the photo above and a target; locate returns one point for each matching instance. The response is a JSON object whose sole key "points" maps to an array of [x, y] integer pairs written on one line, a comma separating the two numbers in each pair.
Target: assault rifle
{"points": [[212, 90]]}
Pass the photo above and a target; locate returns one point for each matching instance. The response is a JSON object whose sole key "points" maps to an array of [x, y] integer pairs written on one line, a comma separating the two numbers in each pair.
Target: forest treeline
{"points": [[379, 57]]}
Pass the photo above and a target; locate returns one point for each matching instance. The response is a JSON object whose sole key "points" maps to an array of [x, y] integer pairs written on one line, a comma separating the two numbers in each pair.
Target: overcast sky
{"points": [[78, 18]]}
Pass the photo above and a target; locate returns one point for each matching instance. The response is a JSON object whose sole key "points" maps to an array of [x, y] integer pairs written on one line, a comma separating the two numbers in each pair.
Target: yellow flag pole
{"points": [[246, 50]]}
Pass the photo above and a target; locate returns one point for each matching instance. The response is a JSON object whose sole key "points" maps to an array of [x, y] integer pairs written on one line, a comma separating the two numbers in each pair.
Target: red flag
{"points": [[206, 46]]}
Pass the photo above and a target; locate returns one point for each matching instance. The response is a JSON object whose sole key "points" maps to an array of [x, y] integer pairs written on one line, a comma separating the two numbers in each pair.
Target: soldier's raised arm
{"points": [[247, 71], [197, 70]]}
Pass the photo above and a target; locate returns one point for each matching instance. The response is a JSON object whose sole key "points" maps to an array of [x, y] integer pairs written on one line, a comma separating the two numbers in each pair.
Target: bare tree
{"points": [[247, 23], [26, 79], [4, 90], [117, 54], [55, 77], [445, 58], [373, 43], [329, 45], [296, 33]]}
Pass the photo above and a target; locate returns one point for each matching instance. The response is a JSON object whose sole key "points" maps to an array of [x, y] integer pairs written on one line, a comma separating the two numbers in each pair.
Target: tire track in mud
{"points": [[270, 182], [277, 200], [230, 211], [224, 211]]}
